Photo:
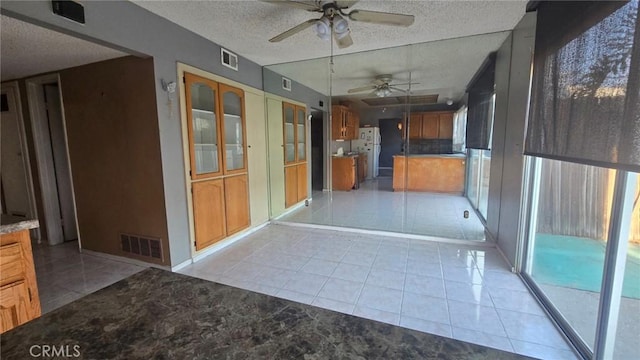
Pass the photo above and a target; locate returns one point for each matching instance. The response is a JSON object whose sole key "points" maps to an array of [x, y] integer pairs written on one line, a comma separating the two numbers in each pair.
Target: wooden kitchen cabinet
{"points": [[295, 171], [431, 125], [19, 298], [236, 204], [216, 126], [345, 123], [301, 171], [290, 186], [362, 167], [295, 184], [445, 125], [209, 212], [415, 126], [343, 172]]}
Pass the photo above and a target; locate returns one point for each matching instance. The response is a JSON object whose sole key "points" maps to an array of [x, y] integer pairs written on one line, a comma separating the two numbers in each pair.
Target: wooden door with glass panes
{"points": [[217, 150], [301, 153], [295, 152]]}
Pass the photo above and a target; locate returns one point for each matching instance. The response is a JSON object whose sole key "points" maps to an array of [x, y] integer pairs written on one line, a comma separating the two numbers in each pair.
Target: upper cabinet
{"points": [[431, 125], [345, 123], [295, 133], [301, 134], [217, 139], [232, 104], [204, 135]]}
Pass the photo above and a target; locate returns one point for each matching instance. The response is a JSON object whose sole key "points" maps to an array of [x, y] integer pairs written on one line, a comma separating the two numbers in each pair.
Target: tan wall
{"points": [[114, 149]]}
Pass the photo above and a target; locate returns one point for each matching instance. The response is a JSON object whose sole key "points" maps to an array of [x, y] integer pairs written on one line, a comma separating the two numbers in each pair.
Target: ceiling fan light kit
{"points": [[340, 27], [322, 28], [382, 92], [333, 18]]}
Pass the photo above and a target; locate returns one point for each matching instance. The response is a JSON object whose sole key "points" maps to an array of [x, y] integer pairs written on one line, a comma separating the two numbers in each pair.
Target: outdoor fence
{"points": [[575, 200]]}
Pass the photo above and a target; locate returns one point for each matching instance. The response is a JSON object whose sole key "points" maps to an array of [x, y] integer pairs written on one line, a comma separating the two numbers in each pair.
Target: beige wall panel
{"points": [[276, 156], [257, 158]]}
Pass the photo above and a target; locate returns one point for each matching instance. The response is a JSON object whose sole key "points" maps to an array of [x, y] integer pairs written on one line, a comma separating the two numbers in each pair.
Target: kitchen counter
{"points": [[9, 224], [441, 173], [159, 314], [455, 156]]}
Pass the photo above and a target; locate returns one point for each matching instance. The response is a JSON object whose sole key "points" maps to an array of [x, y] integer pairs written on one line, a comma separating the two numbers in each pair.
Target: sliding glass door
{"points": [[580, 221]]}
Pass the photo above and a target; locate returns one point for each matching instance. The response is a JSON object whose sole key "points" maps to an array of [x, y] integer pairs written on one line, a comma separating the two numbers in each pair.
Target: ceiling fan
{"points": [[334, 16], [381, 86]]}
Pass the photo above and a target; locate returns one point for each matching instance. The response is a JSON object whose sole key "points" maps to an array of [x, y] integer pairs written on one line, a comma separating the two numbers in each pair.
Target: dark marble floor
{"points": [[159, 314]]}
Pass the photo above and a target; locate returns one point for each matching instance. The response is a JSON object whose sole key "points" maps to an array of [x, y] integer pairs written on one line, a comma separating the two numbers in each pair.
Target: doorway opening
{"points": [[391, 143], [17, 200], [52, 157], [317, 151]]}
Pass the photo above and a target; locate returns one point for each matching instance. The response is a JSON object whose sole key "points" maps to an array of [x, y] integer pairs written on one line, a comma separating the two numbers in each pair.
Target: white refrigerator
{"points": [[369, 142]]}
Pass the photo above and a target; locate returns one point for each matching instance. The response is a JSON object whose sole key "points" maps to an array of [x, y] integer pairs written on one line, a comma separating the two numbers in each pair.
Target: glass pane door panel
{"points": [[301, 135], [289, 135], [473, 177], [485, 172], [205, 134], [233, 132], [567, 241], [628, 331]]}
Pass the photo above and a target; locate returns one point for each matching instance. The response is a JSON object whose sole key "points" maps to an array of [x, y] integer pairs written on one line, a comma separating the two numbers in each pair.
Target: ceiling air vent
{"points": [[382, 101], [286, 84], [141, 245], [229, 59], [421, 99]]}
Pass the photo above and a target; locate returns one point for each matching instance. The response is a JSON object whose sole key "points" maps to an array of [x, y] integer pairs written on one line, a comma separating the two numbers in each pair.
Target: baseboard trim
{"points": [[291, 209], [124, 259], [182, 265], [226, 242], [438, 239]]}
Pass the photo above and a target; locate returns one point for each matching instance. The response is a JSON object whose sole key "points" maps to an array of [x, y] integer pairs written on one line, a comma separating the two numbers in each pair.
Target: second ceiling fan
{"points": [[334, 17], [381, 86]]}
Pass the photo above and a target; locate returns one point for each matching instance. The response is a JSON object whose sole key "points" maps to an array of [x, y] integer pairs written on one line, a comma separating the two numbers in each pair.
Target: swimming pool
{"points": [[577, 263]]}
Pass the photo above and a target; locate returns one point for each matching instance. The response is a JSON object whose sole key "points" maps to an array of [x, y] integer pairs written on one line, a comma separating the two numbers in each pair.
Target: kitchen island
{"points": [[156, 314], [441, 173], [19, 299], [348, 171]]}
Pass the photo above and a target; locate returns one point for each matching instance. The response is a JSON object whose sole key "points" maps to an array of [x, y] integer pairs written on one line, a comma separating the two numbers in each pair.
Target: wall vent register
{"points": [[286, 84], [229, 59], [141, 245]]}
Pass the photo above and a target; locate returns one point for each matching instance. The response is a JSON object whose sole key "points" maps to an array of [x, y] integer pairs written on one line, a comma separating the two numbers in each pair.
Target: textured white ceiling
{"points": [[245, 26], [440, 67], [29, 49]]}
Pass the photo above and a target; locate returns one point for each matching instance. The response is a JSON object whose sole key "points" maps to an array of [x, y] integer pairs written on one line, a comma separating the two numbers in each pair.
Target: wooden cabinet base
{"points": [[429, 174], [19, 299], [343, 173]]}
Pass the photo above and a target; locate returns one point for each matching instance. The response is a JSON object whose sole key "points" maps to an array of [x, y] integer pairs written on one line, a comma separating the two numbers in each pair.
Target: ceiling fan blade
{"points": [[294, 30], [401, 84], [344, 42], [305, 5], [381, 17], [361, 89], [398, 89], [344, 4]]}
